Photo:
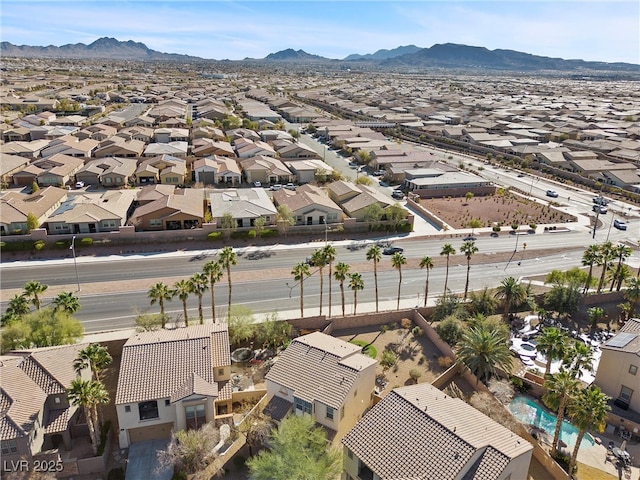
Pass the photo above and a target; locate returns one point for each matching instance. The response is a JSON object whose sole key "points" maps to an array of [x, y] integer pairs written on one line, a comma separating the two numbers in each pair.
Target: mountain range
{"points": [[410, 57]]}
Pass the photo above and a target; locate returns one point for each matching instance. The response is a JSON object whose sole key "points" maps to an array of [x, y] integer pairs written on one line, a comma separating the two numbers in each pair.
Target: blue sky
{"points": [[591, 30]]}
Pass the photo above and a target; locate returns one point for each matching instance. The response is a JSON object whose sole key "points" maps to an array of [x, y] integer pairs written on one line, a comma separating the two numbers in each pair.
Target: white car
{"points": [[552, 193], [290, 186], [275, 187], [79, 184], [257, 184], [619, 224]]}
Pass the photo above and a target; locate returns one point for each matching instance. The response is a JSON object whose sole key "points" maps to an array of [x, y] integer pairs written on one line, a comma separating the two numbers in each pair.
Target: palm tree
{"points": [[512, 294], [355, 283], [578, 357], [95, 356], [340, 274], [560, 388], [632, 293], [590, 257], [159, 292], [397, 260], [622, 252], [606, 251], [300, 271], [622, 274], [319, 260], [468, 248], [482, 350], [66, 302], [595, 314], [213, 271], [552, 343], [330, 255], [199, 283], [375, 254], [88, 394], [447, 250], [426, 262], [182, 289], [18, 305], [588, 411], [228, 258], [33, 289]]}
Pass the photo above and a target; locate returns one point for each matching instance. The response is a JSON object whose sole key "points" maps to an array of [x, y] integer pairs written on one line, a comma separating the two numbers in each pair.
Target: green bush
{"points": [[19, 246], [239, 235], [86, 242], [269, 233], [104, 434], [39, 245], [62, 244], [251, 234], [564, 460], [519, 385], [214, 236]]}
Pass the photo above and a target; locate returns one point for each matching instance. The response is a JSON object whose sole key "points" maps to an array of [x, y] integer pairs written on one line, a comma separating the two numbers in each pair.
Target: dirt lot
{"points": [[505, 209]]}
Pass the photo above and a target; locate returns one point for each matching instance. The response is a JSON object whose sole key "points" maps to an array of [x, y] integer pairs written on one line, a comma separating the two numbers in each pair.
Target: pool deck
{"points": [[596, 457]]}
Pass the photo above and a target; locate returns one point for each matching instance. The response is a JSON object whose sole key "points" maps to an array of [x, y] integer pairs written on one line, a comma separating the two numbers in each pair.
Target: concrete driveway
{"points": [[142, 462]]}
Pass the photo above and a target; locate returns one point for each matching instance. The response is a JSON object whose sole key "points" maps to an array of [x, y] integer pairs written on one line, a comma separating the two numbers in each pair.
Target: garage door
{"points": [[152, 432]]}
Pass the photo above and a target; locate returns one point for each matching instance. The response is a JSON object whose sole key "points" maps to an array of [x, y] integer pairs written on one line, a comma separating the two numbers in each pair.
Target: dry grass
{"points": [[586, 472]]}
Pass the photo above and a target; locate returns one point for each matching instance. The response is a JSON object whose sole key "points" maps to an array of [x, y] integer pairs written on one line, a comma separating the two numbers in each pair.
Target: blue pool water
{"points": [[530, 413]]}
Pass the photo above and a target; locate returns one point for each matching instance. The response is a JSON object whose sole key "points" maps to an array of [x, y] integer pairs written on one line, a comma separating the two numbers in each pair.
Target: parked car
{"points": [[397, 194], [79, 184], [290, 186], [383, 184], [619, 224], [379, 173], [601, 201], [392, 250], [257, 184], [275, 187], [469, 238], [552, 193], [600, 209], [353, 164]]}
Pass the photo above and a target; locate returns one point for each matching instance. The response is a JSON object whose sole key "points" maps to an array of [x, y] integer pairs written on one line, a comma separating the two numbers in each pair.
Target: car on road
{"points": [[600, 201], [257, 184], [354, 165], [290, 186], [600, 209], [392, 250], [470, 238], [520, 175], [552, 193], [397, 194], [619, 224], [79, 184], [276, 186], [383, 184]]}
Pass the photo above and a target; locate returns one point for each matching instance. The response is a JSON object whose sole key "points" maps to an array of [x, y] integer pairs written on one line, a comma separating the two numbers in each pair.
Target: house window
{"points": [[127, 408], [167, 402], [107, 179], [56, 400], [9, 446], [221, 371], [155, 223], [625, 394], [302, 406], [329, 412], [118, 180], [633, 369], [195, 416], [148, 410]]}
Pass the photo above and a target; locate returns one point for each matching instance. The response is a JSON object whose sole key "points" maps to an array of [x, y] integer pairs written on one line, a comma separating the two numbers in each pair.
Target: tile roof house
{"points": [[120, 147], [173, 380], [309, 205], [325, 377], [306, 169], [207, 146], [15, 206], [161, 169], [71, 146], [183, 209], [176, 149], [36, 414], [419, 432], [266, 170], [244, 205], [56, 170], [109, 171]]}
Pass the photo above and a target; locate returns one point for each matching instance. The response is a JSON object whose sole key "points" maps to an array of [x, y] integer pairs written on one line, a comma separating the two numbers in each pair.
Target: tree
{"points": [[564, 297], [95, 356], [606, 253], [389, 359], [595, 314], [241, 324], [427, 263], [329, 253], [363, 157], [213, 271], [42, 328], [66, 302], [621, 275], [588, 411], [285, 218], [297, 449], [579, 357], [447, 250], [182, 290], [34, 187], [468, 196], [552, 343], [482, 302], [190, 451], [397, 261], [199, 283], [373, 214], [18, 305], [33, 289], [341, 273], [469, 249], [447, 305], [590, 257], [159, 292], [149, 322], [355, 283], [32, 222], [512, 294], [483, 350], [300, 271], [258, 224], [560, 388], [450, 330], [228, 258], [632, 293], [88, 394], [374, 254], [395, 214], [318, 259], [622, 252], [228, 224]]}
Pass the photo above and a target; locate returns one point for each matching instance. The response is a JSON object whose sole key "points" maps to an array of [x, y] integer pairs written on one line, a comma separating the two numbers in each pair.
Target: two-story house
{"points": [[325, 377]]}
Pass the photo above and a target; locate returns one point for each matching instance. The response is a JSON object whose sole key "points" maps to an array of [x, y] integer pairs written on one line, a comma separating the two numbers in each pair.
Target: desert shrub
{"points": [[450, 330], [214, 236], [39, 245], [269, 233], [444, 362], [86, 242], [406, 323], [251, 234], [62, 244], [415, 374]]}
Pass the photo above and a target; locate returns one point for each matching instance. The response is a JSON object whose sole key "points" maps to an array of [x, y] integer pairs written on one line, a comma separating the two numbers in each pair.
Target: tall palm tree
{"points": [[512, 294], [622, 252], [552, 343], [341, 273], [560, 388], [590, 257], [355, 283], [606, 251], [300, 271], [66, 302], [182, 290], [159, 292], [18, 305], [88, 394], [319, 260], [426, 262], [482, 350], [579, 357], [397, 261], [330, 256], [33, 289], [632, 293], [374, 254], [447, 250], [95, 356], [469, 249], [228, 258], [622, 274], [588, 411], [199, 283], [213, 271]]}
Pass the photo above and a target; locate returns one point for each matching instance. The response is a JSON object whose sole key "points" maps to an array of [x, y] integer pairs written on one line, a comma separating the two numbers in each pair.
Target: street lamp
{"points": [[75, 263], [326, 227]]}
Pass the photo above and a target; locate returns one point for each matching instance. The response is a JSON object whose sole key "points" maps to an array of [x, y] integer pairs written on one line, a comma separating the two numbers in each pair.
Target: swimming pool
{"points": [[530, 413]]}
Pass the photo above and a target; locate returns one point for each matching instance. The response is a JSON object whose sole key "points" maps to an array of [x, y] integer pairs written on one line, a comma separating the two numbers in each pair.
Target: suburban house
{"points": [[305, 170], [181, 210], [109, 172], [203, 147], [324, 377], [162, 169], [244, 206], [266, 170], [356, 199], [618, 374], [96, 132], [228, 171], [166, 135], [296, 150], [173, 380], [15, 206], [309, 205], [141, 133], [207, 131], [176, 149], [420, 432], [436, 182], [10, 164], [57, 170], [30, 149], [246, 148], [120, 147], [71, 146], [36, 414]]}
